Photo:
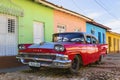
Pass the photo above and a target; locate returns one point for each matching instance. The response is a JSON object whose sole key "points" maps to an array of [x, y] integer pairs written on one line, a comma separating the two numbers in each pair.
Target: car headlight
{"points": [[59, 48], [61, 57], [21, 47]]}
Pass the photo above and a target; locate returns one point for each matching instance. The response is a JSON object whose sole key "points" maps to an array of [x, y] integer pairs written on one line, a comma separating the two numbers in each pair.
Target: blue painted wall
{"points": [[98, 32]]}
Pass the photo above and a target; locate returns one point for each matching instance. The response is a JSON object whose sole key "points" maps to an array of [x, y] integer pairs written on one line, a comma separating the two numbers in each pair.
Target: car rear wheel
{"points": [[76, 63], [100, 59]]}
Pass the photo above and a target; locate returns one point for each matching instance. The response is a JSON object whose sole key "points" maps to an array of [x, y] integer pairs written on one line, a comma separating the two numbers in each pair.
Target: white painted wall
{"points": [[8, 41]]}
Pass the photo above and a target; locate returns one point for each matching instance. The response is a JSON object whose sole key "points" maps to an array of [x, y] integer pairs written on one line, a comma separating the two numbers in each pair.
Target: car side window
{"points": [[94, 40], [88, 38], [77, 38]]}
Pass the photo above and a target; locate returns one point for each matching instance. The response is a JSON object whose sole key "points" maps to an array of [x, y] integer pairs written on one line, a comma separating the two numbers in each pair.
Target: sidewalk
{"points": [[113, 54], [9, 62], [14, 69]]}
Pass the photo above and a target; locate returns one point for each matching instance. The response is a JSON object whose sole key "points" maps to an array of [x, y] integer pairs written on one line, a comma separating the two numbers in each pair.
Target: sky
{"points": [[106, 12]]}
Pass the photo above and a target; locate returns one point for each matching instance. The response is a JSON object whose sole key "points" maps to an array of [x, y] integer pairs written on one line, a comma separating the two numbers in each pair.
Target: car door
{"points": [[90, 48], [95, 49]]}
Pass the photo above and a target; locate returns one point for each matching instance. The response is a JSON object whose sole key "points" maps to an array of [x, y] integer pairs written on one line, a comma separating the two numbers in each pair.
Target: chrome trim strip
{"points": [[61, 55], [38, 53], [38, 59], [64, 62], [54, 54]]}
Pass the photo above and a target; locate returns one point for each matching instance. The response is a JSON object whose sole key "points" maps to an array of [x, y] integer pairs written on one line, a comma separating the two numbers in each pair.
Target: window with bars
{"points": [[11, 25], [61, 28]]}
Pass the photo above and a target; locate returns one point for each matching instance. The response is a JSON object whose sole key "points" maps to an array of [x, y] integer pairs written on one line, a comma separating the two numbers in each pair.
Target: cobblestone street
{"points": [[109, 69]]}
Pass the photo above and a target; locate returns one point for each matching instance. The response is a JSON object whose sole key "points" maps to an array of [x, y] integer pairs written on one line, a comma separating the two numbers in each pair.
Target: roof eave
{"points": [[114, 32], [51, 5], [98, 24]]}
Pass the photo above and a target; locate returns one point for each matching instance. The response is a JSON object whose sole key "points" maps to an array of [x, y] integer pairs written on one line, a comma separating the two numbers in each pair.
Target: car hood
{"points": [[49, 45]]}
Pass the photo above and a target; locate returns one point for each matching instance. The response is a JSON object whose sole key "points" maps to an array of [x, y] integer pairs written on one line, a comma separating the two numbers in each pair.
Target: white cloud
{"points": [[114, 24], [118, 3], [94, 15], [117, 30]]}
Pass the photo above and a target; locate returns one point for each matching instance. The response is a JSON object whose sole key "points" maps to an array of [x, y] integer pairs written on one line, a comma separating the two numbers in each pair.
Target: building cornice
{"points": [[51, 5]]}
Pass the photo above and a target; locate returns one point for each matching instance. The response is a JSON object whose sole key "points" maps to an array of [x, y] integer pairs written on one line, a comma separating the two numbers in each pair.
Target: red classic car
{"points": [[68, 50]]}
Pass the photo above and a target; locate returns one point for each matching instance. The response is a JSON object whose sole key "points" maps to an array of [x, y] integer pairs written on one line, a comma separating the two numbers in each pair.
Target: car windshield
{"points": [[68, 37]]}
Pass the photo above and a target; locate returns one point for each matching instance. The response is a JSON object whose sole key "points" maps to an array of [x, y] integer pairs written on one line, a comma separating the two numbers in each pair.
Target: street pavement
{"points": [[14, 69]]}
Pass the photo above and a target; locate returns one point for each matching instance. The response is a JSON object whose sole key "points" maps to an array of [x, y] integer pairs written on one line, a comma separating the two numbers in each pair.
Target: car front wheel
{"points": [[75, 64]]}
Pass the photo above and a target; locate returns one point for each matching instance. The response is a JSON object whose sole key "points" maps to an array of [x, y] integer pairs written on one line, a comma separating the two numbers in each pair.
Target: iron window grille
{"points": [[61, 28], [11, 25]]}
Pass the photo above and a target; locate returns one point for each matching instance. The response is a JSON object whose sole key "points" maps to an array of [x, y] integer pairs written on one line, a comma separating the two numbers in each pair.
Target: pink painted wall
{"points": [[71, 22]]}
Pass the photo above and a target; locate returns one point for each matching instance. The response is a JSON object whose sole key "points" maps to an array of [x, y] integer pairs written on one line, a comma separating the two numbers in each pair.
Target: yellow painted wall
{"points": [[114, 44]]}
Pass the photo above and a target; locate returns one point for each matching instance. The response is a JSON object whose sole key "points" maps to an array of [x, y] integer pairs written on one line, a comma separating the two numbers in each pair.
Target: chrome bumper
{"points": [[53, 63]]}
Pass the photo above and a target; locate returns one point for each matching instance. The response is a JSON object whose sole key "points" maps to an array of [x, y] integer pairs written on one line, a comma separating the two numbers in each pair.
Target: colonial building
{"points": [[65, 22], [98, 30], [113, 41], [9, 14], [36, 24]]}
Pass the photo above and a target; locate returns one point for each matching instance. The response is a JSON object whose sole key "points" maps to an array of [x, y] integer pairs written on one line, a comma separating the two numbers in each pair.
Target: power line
{"points": [[106, 10], [108, 7], [104, 4], [78, 6], [85, 12]]}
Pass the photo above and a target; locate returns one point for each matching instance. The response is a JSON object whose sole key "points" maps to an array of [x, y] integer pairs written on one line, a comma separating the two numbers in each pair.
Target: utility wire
{"points": [[106, 10], [107, 7], [84, 11], [78, 6]]}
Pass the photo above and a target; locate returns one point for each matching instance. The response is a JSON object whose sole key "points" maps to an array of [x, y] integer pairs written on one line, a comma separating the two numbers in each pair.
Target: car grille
{"points": [[42, 62], [43, 56]]}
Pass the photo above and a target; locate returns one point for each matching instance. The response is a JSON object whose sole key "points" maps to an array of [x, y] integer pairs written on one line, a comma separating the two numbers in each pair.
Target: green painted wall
{"points": [[34, 12]]}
